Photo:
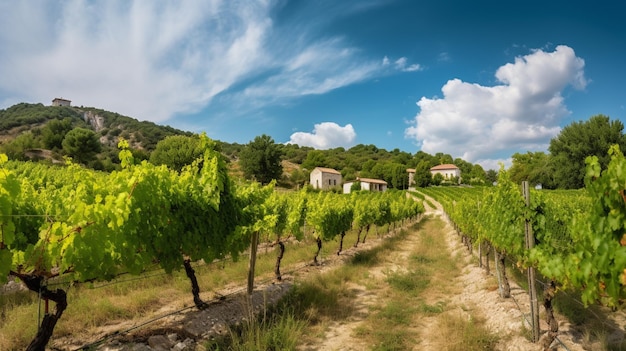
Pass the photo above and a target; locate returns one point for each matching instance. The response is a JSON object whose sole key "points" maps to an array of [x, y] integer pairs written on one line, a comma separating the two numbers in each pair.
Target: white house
{"points": [[366, 184], [448, 171], [61, 102], [324, 178]]}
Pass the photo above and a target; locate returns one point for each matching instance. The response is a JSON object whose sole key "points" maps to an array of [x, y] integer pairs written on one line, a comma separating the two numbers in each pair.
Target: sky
{"points": [[480, 80]]}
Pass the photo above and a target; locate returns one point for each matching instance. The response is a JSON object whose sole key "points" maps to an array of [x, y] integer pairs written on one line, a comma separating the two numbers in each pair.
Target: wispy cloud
{"points": [[326, 135], [401, 65], [523, 113], [153, 60], [444, 57]]}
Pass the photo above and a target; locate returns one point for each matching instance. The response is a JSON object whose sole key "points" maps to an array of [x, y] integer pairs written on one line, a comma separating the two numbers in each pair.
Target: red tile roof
{"points": [[373, 181], [327, 170], [444, 166]]}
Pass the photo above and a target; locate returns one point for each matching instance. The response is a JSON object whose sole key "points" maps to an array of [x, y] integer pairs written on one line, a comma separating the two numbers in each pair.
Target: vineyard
{"points": [[81, 226], [577, 239]]}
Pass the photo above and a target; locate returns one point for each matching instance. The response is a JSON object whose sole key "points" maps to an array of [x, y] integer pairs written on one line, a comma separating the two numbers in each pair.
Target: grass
{"points": [[465, 334], [412, 295]]}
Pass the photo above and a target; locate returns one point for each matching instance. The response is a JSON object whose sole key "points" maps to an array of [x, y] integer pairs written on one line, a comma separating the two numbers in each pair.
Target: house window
{"points": [[334, 181]]}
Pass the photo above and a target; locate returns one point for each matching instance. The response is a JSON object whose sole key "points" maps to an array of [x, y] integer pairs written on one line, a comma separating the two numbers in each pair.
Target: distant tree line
{"points": [[62, 131]]}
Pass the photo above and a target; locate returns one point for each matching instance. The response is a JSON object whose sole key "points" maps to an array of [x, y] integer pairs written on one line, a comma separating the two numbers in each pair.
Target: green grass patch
{"points": [[411, 283], [462, 334]]}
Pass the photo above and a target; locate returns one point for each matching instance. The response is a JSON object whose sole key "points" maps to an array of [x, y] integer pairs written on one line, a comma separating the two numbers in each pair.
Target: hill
{"points": [[26, 132]]}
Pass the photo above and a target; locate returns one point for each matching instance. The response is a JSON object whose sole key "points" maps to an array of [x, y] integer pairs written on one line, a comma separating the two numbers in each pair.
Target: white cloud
{"points": [[153, 60], [401, 65], [495, 163], [523, 113], [321, 67], [326, 135]]}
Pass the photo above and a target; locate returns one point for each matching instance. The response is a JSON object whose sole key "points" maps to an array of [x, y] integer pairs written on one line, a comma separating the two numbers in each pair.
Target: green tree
{"points": [[260, 159], [15, 149], [535, 167], [491, 176], [176, 151], [81, 144], [477, 175], [579, 140], [54, 132], [437, 179], [443, 158], [422, 177], [396, 176], [314, 158]]}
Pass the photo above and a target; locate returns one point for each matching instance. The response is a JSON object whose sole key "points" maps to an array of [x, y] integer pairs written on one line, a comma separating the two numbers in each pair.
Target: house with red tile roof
{"points": [[366, 184], [448, 171], [325, 178]]}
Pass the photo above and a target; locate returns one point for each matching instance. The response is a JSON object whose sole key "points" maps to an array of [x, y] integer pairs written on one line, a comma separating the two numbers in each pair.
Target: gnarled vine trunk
{"points": [[343, 234], [487, 252], [195, 288], [281, 253], [551, 334], [319, 248], [358, 237], [505, 288], [367, 230], [44, 333]]}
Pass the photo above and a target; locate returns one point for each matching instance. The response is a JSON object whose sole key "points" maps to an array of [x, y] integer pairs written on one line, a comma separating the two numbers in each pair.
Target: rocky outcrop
{"points": [[94, 120]]}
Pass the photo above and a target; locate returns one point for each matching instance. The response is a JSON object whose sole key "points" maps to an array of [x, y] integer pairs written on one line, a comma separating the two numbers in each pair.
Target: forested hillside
{"points": [[35, 131]]}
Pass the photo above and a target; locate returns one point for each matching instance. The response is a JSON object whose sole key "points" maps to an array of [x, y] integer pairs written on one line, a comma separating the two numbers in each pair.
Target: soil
{"points": [[472, 293]]}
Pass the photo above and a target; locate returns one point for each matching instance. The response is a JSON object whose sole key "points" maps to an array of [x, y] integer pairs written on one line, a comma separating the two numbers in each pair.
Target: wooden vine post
{"points": [[530, 243], [253, 248]]}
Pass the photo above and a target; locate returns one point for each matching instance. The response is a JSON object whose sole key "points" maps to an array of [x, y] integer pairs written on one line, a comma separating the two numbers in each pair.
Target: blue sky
{"points": [[479, 80]]}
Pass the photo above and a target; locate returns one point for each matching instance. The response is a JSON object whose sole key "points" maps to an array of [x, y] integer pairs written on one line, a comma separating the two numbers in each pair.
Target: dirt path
{"points": [[470, 295]]}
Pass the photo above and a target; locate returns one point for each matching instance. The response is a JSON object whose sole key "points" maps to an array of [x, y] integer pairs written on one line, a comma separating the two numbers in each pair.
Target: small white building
{"points": [[448, 171], [324, 178], [61, 102], [366, 184]]}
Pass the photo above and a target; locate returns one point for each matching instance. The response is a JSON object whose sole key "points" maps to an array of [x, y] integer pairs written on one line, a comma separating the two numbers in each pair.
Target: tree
{"points": [[477, 175], [535, 167], [260, 159], [437, 179], [176, 151], [579, 140], [396, 176], [491, 176], [15, 149], [422, 176], [315, 158], [443, 158], [81, 144], [54, 132]]}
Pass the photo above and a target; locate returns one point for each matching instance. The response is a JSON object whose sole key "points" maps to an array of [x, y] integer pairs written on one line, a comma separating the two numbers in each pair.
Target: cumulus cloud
{"points": [[478, 122], [326, 135]]}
